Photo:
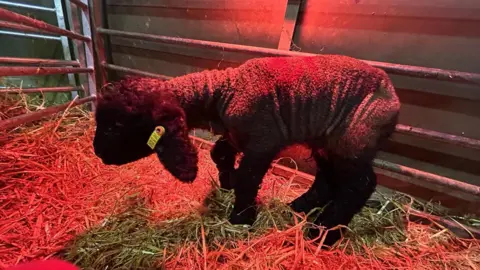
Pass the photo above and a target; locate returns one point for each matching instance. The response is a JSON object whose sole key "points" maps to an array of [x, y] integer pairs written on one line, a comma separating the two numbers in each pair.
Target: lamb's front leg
{"points": [[248, 177], [223, 154]]}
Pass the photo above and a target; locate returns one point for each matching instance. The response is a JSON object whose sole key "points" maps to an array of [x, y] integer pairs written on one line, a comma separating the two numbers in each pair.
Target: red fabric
{"points": [[52, 264]]}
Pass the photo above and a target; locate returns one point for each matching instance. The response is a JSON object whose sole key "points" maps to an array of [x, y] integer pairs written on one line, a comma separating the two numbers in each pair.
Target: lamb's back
{"points": [[299, 98]]}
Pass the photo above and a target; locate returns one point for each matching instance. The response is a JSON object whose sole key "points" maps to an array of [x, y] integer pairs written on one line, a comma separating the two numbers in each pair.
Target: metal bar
{"points": [[438, 136], [135, 71], [10, 33], [26, 6], [30, 117], [41, 90], [80, 4], [89, 61], [24, 28], [409, 130], [98, 15], [99, 56], [28, 71], [428, 177], [64, 40], [289, 25], [18, 18], [39, 61], [74, 25], [412, 71]]}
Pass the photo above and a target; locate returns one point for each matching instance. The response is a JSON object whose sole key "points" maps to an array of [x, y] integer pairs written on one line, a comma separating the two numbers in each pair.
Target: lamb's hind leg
{"points": [[322, 189], [357, 182], [223, 154]]}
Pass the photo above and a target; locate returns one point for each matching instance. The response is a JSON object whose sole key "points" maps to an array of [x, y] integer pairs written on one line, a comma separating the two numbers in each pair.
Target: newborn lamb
{"points": [[341, 108]]}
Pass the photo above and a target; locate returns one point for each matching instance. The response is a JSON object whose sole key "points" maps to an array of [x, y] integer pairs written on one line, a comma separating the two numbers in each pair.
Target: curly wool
{"points": [[273, 101]]}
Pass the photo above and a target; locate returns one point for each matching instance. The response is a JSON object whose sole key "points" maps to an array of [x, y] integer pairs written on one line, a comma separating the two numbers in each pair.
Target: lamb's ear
{"points": [[177, 153]]}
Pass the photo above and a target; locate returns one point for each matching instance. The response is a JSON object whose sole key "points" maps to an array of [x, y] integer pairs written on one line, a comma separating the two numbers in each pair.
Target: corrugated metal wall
{"points": [[432, 33]]}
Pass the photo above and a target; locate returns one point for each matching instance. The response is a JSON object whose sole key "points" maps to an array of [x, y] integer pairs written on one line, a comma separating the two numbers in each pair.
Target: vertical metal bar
{"points": [[289, 23], [98, 19], [64, 40], [74, 24], [90, 62]]}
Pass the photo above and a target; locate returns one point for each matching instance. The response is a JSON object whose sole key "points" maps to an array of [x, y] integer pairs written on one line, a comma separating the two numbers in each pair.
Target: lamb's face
{"points": [[125, 122], [121, 136]]}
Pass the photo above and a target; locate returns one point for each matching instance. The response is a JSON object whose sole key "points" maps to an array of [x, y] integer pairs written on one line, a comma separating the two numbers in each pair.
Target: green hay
{"points": [[130, 241]]}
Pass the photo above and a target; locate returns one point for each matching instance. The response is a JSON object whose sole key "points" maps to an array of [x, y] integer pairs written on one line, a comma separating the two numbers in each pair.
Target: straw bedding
{"points": [[58, 200]]}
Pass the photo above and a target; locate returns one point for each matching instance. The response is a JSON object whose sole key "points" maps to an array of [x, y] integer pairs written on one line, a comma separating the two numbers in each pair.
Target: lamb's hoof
{"points": [[245, 217]]}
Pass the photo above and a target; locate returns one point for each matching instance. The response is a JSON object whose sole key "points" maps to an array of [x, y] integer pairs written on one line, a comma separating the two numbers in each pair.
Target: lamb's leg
{"points": [[248, 177], [356, 183], [223, 154], [322, 189]]}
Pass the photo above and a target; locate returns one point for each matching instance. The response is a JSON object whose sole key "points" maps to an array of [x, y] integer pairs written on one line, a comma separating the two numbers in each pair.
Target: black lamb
{"points": [[341, 108]]}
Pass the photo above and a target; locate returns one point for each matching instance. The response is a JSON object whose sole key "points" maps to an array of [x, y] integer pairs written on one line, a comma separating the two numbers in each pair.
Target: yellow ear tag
{"points": [[155, 136]]}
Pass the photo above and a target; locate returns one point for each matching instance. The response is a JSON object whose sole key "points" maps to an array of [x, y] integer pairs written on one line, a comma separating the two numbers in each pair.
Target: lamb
{"points": [[341, 108]]}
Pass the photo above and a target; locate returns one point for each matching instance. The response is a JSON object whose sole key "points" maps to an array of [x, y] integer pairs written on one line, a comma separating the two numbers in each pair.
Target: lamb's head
{"points": [[129, 115]]}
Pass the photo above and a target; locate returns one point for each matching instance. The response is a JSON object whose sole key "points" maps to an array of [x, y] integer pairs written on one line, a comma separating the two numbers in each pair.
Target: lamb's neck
{"points": [[202, 95]]}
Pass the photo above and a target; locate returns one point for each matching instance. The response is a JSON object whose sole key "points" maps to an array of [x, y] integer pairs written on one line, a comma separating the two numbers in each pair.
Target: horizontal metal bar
{"points": [[79, 4], [27, 35], [26, 6], [34, 116], [19, 18], [406, 70], [439, 136], [40, 90], [29, 71], [428, 177], [409, 130], [17, 26], [39, 61], [135, 71]]}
